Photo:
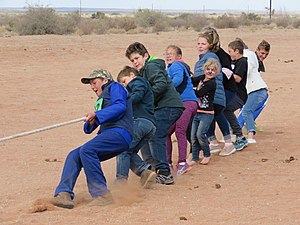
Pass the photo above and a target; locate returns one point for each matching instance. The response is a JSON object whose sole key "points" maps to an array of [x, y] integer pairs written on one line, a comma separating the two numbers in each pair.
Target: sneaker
{"points": [[227, 150], [182, 168], [64, 200], [214, 148], [102, 200], [240, 143], [251, 141], [148, 177], [164, 179]]}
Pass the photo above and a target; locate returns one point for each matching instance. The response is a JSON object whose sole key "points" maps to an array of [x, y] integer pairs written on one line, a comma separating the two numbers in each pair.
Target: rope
{"points": [[42, 129]]}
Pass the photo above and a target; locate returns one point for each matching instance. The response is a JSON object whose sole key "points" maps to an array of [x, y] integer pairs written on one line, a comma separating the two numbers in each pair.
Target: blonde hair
{"points": [[211, 62], [212, 37]]}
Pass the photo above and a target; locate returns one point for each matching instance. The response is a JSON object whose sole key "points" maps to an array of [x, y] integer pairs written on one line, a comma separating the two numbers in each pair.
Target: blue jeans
{"points": [[104, 146], [200, 126], [254, 105], [143, 130], [154, 151]]}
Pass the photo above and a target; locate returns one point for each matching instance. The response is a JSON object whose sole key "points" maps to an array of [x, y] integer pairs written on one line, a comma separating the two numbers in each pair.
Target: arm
{"points": [[137, 90], [176, 73], [117, 109], [203, 89]]}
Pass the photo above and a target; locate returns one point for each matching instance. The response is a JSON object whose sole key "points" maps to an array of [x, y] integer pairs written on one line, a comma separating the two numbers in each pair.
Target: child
{"points": [[262, 52], [180, 75], [239, 69], [143, 127], [167, 103], [205, 92], [113, 113], [229, 91], [257, 90]]}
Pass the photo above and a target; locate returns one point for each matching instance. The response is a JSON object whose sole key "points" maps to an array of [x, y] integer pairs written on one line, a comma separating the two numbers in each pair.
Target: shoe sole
{"points": [[65, 206], [229, 153], [240, 149], [150, 181], [184, 171], [166, 183]]}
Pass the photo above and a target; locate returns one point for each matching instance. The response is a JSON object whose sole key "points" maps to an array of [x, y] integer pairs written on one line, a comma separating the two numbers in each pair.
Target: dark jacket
{"points": [[162, 86], [142, 98]]}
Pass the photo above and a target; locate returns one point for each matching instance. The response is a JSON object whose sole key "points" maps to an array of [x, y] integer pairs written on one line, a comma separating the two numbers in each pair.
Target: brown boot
{"points": [[102, 200], [64, 200], [148, 177]]}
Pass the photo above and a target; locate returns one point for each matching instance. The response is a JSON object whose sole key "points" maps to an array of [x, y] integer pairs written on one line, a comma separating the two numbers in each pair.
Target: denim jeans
{"points": [[200, 126], [143, 130], [235, 104], [180, 128], [254, 105], [154, 151], [104, 146]]}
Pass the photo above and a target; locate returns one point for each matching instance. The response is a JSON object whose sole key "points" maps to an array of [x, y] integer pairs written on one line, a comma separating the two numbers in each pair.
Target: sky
{"points": [[243, 5]]}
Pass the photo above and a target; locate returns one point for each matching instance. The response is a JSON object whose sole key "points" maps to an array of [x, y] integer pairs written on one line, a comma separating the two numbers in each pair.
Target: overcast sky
{"points": [[244, 5]]}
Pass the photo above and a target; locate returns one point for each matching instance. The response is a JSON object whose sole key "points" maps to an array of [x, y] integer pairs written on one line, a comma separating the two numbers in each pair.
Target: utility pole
{"points": [[270, 13], [80, 8]]}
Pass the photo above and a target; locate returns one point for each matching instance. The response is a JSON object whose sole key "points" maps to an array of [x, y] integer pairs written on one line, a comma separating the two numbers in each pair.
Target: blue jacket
{"points": [[199, 71], [177, 71], [115, 111]]}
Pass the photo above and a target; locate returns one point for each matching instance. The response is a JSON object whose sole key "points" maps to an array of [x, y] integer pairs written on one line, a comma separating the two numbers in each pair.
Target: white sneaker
{"points": [[214, 148], [251, 141], [228, 150]]}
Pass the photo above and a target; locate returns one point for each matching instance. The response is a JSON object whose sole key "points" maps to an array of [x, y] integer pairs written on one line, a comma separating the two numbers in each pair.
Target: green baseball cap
{"points": [[99, 73]]}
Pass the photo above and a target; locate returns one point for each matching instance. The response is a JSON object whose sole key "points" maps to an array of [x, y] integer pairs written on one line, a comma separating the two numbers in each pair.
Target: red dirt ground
{"points": [[40, 86]]}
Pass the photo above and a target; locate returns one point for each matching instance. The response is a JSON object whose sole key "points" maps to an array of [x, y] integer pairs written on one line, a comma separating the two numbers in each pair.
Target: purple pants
{"points": [[180, 128]]}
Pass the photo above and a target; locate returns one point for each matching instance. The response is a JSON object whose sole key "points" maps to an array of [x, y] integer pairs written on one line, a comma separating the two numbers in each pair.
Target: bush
{"points": [[147, 18], [198, 22], [126, 23], [226, 21], [39, 21], [283, 21]]}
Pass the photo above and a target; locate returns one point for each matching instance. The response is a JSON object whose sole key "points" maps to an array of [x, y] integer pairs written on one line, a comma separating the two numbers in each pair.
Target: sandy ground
{"points": [[40, 86]]}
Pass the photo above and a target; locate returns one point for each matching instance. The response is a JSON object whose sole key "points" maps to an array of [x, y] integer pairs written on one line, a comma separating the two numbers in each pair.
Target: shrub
{"points": [[197, 22], [283, 21], [126, 23], [226, 21], [38, 20], [148, 18]]}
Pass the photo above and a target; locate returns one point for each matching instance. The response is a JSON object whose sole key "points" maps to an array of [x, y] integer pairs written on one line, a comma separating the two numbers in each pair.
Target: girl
{"points": [[180, 75], [205, 92]]}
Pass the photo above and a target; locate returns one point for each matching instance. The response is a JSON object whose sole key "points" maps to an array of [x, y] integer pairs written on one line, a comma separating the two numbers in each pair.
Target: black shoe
{"points": [[165, 179]]}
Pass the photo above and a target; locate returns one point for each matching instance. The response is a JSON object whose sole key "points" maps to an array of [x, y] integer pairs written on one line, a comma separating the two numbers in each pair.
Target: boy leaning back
{"points": [[113, 113], [143, 127], [168, 108]]}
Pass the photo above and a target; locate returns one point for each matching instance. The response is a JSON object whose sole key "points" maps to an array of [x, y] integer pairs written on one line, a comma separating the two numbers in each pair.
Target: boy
{"points": [[168, 108], [239, 69], [143, 127], [262, 52], [113, 113]]}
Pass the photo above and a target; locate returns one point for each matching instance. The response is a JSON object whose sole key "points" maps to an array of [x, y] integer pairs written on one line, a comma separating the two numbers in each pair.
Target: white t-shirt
{"points": [[254, 79]]}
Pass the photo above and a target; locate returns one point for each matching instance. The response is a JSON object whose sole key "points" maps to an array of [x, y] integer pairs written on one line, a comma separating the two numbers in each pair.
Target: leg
{"points": [[260, 107], [165, 117], [235, 104], [104, 146], [254, 101], [195, 143], [169, 143], [205, 121], [182, 126], [143, 131], [71, 170]]}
